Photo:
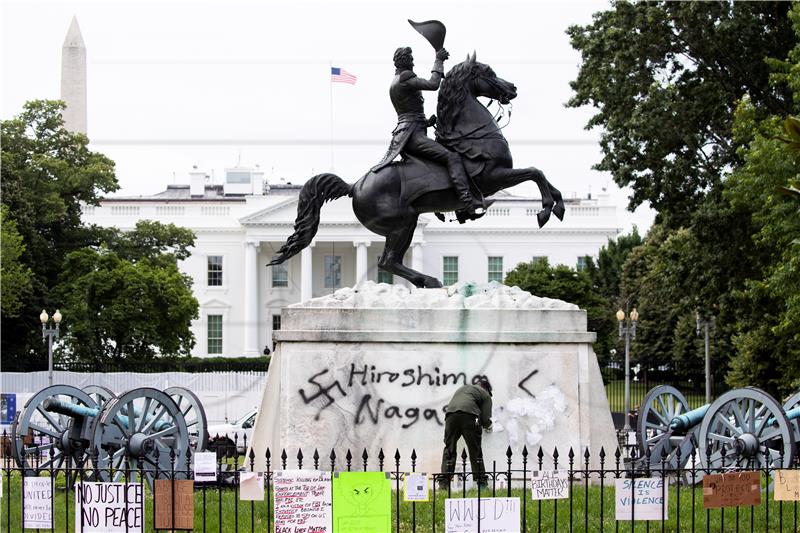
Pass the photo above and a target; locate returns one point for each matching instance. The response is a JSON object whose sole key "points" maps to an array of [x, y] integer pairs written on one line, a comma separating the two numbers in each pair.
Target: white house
{"points": [[241, 223]]}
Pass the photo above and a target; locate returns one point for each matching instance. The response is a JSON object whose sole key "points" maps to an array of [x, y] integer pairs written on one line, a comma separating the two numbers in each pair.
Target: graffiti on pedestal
{"points": [[363, 389]]}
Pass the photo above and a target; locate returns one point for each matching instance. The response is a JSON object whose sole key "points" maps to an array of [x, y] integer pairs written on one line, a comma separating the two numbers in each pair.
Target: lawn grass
{"points": [[591, 508]]}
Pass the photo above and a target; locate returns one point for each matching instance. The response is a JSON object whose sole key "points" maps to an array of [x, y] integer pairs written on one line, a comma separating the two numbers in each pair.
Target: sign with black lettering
{"points": [[182, 510], [38, 508], [108, 507], [498, 515], [549, 484], [731, 490], [641, 499], [787, 485]]}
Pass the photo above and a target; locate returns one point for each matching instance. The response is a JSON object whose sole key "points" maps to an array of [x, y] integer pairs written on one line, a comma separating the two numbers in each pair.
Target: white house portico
{"points": [[241, 223]]}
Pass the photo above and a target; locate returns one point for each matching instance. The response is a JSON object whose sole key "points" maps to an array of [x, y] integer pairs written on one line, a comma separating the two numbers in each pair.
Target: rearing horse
{"points": [[389, 202]]}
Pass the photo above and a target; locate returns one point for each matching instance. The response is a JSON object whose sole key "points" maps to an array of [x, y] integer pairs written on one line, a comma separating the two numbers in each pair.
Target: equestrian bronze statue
{"points": [[389, 198]]}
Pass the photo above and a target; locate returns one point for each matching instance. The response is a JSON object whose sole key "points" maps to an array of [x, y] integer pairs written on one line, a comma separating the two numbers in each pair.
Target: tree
{"points": [[564, 283], [665, 78], [607, 273], [127, 299], [48, 173], [16, 277]]}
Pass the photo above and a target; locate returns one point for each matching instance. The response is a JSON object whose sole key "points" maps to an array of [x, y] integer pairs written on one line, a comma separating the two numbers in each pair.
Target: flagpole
{"points": [[330, 90]]}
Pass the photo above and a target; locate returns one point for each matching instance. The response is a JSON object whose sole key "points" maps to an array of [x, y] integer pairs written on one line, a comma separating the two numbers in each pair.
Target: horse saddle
{"points": [[420, 176]]}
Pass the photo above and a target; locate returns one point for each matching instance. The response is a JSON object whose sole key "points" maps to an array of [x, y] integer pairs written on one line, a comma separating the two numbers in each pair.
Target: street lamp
{"points": [[50, 333], [705, 323], [628, 331]]}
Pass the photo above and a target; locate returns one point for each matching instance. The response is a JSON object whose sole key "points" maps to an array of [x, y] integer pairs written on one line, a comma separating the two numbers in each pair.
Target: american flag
{"points": [[340, 75]]}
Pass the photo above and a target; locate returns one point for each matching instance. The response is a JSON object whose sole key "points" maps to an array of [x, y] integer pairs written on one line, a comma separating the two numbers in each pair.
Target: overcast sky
{"points": [[173, 84]]}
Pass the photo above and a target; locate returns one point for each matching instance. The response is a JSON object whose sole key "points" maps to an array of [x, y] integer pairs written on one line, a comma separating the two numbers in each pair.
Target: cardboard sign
{"points": [[497, 515], [251, 486], [641, 499], [184, 504], [108, 507], [302, 501], [731, 490], [205, 467], [38, 508], [787, 485], [550, 484], [363, 502], [415, 488]]}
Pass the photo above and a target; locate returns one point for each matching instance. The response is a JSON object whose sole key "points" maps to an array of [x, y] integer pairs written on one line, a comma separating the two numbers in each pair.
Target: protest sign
{"points": [[641, 499], [302, 501], [496, 515], [183, 509], [362, 502], [549, 484], [251, 486], [205, 467], [787, 485], [731, 490], [416, 487], [108, 507], [38, 507]]}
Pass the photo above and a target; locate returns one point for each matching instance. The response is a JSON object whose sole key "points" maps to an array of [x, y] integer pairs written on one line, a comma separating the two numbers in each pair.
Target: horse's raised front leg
{"points": [[397, 243], [503, 178]]}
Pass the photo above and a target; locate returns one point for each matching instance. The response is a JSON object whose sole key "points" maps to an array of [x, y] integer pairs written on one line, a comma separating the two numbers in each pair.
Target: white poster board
{"points": [[205, 467], [302, 501], [108, 507], [38, 507], [416, 487], [497, 515], [549, 484], [641, 499]]}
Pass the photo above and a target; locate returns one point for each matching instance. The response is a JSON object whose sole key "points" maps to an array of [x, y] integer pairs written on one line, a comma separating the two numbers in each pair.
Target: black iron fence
{"points": [[690, 381], [596, 487]]}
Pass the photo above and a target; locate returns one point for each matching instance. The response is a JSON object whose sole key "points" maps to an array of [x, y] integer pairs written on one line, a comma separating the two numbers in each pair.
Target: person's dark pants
{"points": [[465, 425]]}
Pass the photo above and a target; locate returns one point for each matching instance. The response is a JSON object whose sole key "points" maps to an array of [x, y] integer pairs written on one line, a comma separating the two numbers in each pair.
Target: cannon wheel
{"points": [[194, 414], [792, 403], [151, 427], [34, 421], [659, 407], [99, 394], [737, 431]]}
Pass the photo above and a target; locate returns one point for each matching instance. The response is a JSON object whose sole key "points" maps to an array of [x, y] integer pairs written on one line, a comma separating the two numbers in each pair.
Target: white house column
{"points": [[416, 256], [361, 261], [251, 299], [306, 274]]}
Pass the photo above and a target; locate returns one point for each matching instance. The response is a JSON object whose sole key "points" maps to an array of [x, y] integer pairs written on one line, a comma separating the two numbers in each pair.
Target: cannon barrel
{"points": [[690, 419], [74, 410], [791, 414]]}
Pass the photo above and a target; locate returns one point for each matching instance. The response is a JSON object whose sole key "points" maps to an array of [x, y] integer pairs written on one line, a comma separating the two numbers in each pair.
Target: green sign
{"points": [[362, 502]]}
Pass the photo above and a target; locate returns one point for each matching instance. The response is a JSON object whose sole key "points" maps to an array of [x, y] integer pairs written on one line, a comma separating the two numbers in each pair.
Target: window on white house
{"points": [[495, 268], [449, 270], [214, 334], [214, 270], [280, 274], [333, 271]]}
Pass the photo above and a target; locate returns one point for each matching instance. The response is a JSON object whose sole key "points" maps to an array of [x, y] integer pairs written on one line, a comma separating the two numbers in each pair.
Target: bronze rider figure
{"points": [[410, 135]]}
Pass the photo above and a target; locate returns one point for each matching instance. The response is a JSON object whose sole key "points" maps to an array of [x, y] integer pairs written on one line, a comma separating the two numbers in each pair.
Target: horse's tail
{"points": [[315, 192]]}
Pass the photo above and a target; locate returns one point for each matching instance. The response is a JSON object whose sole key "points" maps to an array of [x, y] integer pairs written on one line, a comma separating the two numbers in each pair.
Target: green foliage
{"points": [[16, 276], [564, 283], [127, 299], [47, 173], [665, 78]]}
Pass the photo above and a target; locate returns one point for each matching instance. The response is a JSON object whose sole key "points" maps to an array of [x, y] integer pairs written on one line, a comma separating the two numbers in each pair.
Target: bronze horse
{"points": [[389, 202]]}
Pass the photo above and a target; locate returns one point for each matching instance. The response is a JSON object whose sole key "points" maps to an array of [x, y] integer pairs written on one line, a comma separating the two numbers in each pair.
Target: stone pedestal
{"points": [[373, 367]]}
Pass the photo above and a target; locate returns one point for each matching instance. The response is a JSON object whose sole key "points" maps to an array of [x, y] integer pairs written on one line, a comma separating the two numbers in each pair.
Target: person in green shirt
{"points": [[469, 410]]}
